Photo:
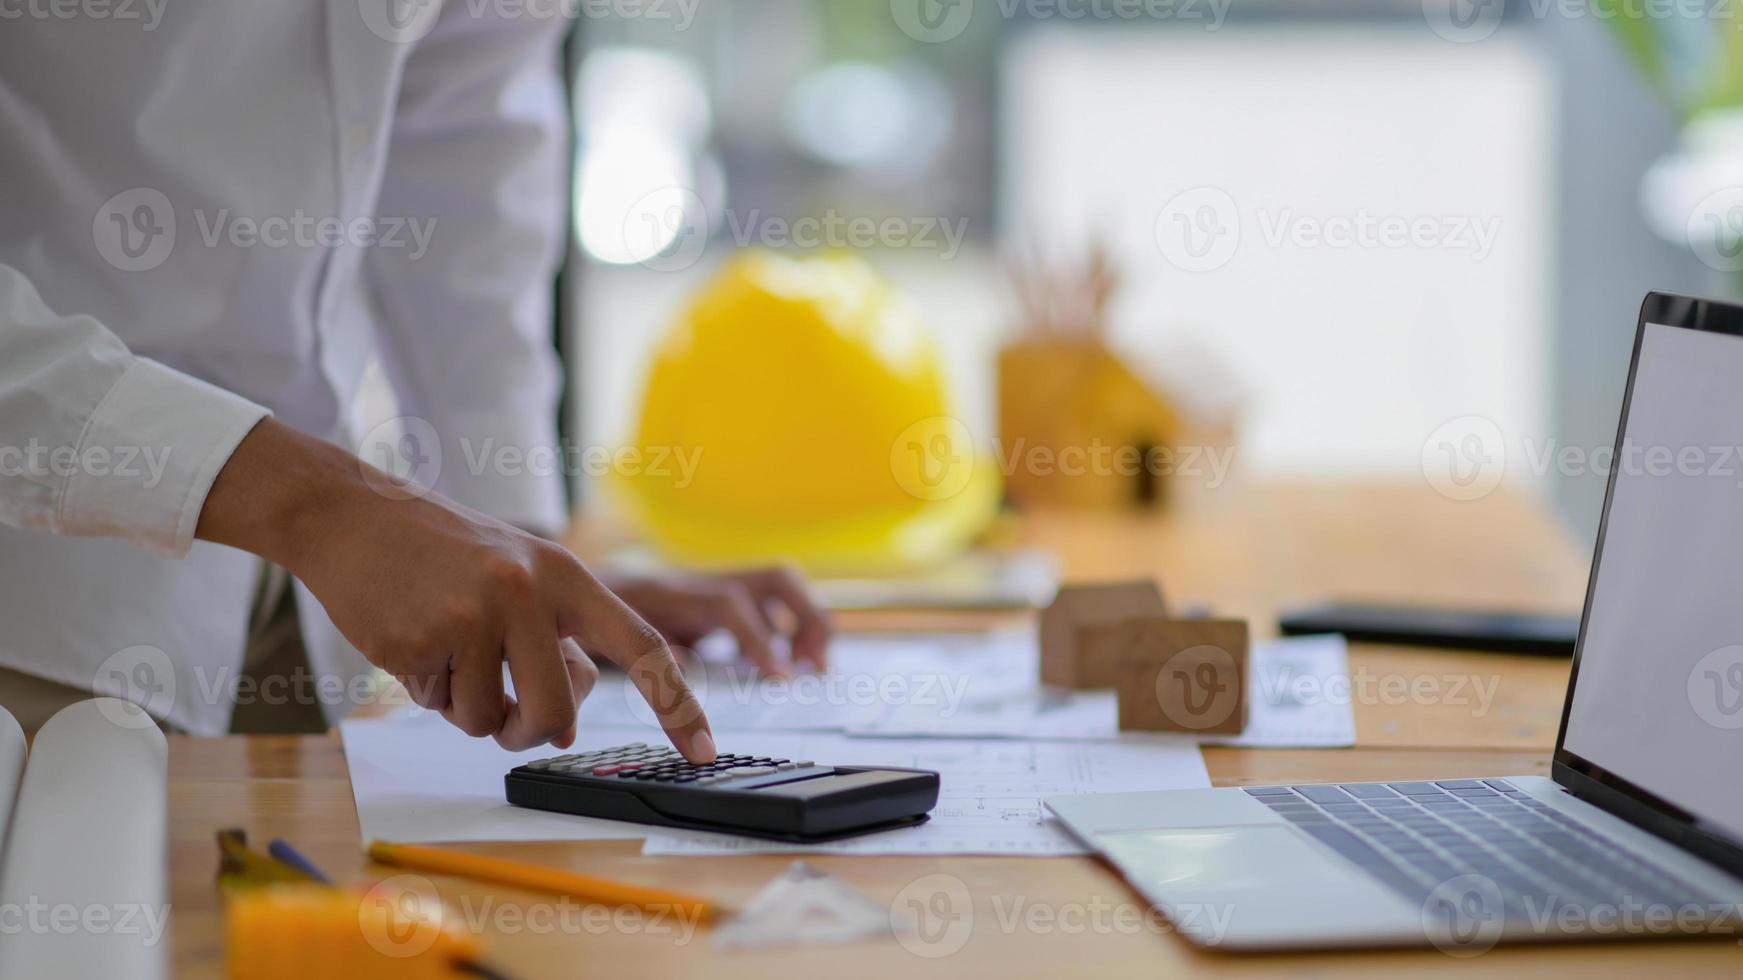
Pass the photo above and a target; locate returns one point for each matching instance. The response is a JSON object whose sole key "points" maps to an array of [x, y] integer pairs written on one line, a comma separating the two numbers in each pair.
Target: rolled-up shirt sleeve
{"points": [[98, 442]]}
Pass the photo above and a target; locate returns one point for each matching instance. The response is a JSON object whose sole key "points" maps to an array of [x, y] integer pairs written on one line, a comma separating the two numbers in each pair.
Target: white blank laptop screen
{"points": [[1659, 697]]}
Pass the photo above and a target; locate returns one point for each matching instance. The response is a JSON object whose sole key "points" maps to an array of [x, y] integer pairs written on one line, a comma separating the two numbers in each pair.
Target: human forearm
{"points": [[268, 498], [443, 597]]}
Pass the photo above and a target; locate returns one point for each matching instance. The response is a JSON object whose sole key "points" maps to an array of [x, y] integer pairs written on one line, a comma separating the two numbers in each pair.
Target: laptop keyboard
{"points": [[1415, 836]]}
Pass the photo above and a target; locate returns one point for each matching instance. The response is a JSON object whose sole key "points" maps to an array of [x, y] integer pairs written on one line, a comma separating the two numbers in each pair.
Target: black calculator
{"points": [[757, 795]]}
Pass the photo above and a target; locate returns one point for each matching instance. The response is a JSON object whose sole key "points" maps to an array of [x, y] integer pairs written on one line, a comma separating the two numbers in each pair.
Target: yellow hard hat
{"points": [[799, 408]]}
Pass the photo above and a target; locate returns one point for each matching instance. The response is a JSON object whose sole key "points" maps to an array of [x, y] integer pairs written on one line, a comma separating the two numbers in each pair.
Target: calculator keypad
{"points": [[659, 764]]}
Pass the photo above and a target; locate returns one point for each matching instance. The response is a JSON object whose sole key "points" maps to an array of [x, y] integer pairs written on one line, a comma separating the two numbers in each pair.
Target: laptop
{"points": [[1638, 830]]}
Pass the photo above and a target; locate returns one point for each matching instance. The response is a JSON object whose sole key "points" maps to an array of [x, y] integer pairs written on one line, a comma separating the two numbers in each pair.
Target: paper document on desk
{"points": [[868, 672], [990, 796], [418, 779], [1298, 690], [984, 685]]}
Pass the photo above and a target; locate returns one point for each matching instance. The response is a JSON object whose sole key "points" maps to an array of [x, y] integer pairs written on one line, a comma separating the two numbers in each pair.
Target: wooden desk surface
{"points": [[1419, 714]]}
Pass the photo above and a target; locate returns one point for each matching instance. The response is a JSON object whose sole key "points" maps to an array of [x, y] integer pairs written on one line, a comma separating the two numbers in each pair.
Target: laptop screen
{"points": [[1658, 700]]}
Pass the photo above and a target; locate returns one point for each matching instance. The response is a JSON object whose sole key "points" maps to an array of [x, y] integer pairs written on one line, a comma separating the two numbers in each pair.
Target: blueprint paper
{"points": [[868, 672], [990, 790], [1297, 690], [986, 685]]}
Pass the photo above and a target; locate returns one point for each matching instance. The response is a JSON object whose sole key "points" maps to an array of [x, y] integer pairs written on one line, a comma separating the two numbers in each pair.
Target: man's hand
{"points": [[754, 606], [441, 597]]}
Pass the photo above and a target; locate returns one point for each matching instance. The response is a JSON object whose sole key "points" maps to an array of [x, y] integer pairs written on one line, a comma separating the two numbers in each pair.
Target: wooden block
{"points": [[1081, 638], [1185, 675], [1100, 649]]}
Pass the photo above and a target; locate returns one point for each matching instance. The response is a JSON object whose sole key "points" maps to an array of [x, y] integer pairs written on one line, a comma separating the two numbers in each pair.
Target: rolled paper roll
{"points": [[11, 769], [83, 887]]}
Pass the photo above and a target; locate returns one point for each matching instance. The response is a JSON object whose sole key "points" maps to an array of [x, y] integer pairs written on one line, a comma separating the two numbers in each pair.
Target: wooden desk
{"points": [[1418, 714]]}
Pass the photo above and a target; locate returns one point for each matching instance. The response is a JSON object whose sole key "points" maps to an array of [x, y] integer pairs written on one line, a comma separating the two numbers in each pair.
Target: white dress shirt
{"points": [[228, 211]]}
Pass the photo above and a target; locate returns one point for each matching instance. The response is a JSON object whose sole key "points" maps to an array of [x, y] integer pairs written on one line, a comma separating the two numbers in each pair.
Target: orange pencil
{"points": [[535, 878]]}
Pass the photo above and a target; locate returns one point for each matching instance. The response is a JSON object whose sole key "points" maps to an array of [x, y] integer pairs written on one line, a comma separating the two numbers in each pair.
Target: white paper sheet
{"points": [[418, 779], [1300, 690], [868, 672], [1297, 688], [990, 796], [984, 685]]}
